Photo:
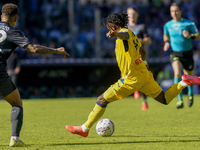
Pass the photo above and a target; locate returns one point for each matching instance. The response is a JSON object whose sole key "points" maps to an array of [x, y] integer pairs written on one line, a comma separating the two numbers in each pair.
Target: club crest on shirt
{"points": [[176, 28]]}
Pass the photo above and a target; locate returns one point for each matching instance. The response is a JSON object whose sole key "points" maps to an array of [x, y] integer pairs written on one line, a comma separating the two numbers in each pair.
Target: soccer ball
{"points": [[105, 127]]}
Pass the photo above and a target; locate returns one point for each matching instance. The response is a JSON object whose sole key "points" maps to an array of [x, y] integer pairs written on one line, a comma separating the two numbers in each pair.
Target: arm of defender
{"points": [[38, 49]]}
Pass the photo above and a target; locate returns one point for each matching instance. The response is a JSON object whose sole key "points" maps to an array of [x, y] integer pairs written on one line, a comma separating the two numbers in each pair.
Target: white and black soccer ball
{"points": [[105, 127]]}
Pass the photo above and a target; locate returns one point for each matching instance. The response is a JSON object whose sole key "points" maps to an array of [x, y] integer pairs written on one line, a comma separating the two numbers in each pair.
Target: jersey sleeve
{"points": [[19, 39], [166, 30], [193, 29]]}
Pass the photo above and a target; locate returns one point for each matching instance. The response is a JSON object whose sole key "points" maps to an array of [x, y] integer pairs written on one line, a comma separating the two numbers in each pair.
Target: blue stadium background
{"points": [[46, 22]]}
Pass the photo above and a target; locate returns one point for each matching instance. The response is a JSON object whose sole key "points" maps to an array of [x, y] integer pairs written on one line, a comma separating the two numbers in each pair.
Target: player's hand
{"points": [[185, 33], [166, 46], [111, 34], [61, 50]]}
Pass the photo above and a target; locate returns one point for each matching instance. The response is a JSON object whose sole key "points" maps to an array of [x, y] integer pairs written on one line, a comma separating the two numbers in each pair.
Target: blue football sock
{"points": [[190, 90]]}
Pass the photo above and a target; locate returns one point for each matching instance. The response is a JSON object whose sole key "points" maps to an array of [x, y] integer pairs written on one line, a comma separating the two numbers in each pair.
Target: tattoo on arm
{"points": [[38, 49]]}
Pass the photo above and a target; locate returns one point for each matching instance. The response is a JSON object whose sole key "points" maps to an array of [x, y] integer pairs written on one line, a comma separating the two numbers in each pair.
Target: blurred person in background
{"points": [[10, 39], [179, 33], [141, 31]]}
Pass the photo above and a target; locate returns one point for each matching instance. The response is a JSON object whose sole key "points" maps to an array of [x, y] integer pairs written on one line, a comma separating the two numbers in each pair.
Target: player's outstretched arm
{"points": [[38, 49], [120, 35]]}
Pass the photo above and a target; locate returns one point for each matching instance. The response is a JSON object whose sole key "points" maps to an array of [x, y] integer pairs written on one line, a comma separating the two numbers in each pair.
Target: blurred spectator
{"points": [[48, 20], [70, 92], [59, 93], [35, 94]]}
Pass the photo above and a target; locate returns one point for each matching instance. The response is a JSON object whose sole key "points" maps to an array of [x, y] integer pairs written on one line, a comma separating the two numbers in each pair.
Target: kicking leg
{"points": [[113, 93], [95, 115], [175, 89]]}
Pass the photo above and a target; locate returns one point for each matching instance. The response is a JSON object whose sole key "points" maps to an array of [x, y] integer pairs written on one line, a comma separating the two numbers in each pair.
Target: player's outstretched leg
{"points": [[77, 130], [190, 80], [94, 115], [175, 89]]}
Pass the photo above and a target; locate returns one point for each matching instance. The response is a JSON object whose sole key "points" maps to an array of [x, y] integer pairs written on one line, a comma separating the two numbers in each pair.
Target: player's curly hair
{"points": [[10, 10], [119, 19]]}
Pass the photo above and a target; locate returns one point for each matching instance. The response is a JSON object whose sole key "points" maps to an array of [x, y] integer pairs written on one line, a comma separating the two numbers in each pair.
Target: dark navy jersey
{"points": [[10, 38]]}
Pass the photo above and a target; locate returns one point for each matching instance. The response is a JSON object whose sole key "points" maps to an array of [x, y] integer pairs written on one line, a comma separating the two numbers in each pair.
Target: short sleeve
{"points": [[193, 29], [166, 30], [19, 39]]}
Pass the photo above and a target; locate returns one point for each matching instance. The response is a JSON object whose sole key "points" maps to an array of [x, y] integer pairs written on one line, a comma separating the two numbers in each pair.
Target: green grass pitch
{"points": [[159, 128]]}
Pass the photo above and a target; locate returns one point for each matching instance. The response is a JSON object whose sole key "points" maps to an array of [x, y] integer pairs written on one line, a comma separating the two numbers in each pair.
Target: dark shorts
{"points": [[186, 59], [6, 86]]}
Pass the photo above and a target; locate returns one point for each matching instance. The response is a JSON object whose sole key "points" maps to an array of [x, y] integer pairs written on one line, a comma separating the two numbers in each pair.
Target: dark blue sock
{"points": [[16, 120]]}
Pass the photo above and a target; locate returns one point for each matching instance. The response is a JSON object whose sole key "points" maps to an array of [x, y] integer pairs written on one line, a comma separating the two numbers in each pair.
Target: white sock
{"points": [[183, 84], [84, 128], [14, 138]]}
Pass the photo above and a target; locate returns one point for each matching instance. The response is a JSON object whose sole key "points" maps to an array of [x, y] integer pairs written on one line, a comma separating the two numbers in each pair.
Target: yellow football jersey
{"points": [[127, 54]]}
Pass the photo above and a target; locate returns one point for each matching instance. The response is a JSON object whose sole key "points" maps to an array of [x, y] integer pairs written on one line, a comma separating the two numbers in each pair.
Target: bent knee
{"points": [[16, 102], [102, 101], [161, 98]]}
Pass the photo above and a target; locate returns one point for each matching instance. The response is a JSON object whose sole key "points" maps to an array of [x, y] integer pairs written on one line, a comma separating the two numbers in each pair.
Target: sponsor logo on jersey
{"points": [[176, 28], [138, 61]]}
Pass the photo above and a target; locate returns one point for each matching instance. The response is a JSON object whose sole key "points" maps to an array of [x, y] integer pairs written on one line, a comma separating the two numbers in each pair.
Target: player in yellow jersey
{"points": [[135, 76]]}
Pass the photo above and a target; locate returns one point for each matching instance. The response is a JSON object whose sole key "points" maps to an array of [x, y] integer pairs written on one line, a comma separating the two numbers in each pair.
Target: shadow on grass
{"points": [[170, 136], [125, 142]]}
